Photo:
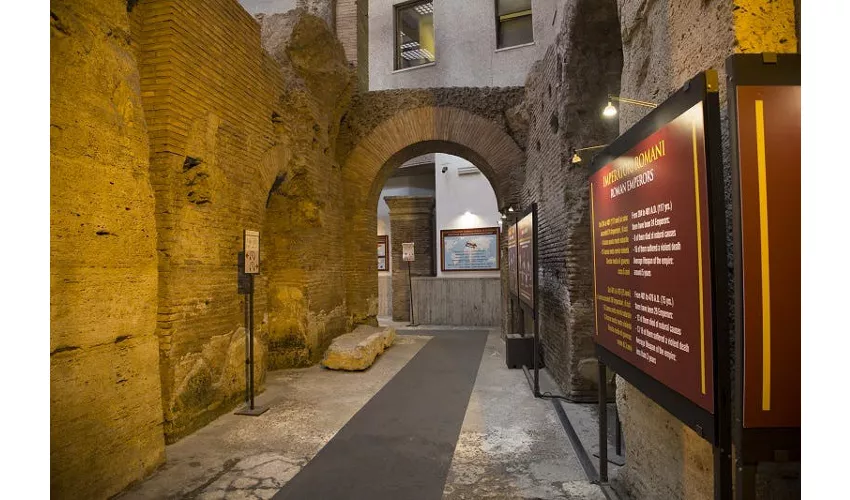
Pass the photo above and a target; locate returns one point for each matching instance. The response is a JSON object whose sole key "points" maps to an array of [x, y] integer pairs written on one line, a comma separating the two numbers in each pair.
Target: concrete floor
{"points": [[511, 445]]}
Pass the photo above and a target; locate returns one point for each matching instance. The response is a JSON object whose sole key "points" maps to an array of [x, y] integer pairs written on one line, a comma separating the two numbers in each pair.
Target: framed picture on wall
{"points": [[383, 253], [470, 249]]}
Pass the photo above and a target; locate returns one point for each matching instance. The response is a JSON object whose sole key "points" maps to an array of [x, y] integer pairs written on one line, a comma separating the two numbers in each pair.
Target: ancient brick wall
{"points": [[240, 139], [105, 404], [564, 93], [209, 93], [411, 218], [346, 27]]}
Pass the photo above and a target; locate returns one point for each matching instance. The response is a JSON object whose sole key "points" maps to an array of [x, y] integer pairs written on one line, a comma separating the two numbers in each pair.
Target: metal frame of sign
{"points": [[753, 445], [714, 428], [507, 231], [385, 239], [514, 307], [523, 304], [487, 231], [533, 211]]}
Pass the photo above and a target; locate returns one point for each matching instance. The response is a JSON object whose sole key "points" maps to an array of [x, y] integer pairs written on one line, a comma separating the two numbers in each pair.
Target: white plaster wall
{"points": [[456, 195], [465, 32], [255, 7]]}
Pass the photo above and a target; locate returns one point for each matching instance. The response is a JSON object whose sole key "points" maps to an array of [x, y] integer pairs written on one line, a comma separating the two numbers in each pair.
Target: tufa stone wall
{"points": [[305, 220], [563, 96], [105, 404]]}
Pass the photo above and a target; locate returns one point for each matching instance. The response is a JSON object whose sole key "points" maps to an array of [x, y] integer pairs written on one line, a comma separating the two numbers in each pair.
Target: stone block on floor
{"points": [[357, 350]]}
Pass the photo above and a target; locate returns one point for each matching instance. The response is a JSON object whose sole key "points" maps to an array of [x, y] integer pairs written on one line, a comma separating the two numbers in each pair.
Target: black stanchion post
{"points": [[246, 287], [247, 346], [251, 340], [536, 353], [410, 285], [618, 433], [603, 424]]}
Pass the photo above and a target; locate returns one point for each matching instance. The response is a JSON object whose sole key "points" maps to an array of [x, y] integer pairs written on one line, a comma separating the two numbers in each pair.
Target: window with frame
{"points": [[513, 23], [414, 34]]}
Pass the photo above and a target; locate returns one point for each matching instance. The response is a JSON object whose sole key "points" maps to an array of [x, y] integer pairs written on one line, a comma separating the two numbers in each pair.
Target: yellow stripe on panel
{"points": [[593, 243], [765, 257], [699, 262]]}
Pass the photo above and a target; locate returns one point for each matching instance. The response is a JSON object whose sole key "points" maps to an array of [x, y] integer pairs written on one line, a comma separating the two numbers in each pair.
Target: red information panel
{"points": [[512, 259], [525, 258], [651, 257], [768, 119]]}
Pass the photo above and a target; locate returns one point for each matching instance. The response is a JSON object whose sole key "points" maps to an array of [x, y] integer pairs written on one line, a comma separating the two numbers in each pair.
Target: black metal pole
{"points": [[251, 340], [537, 347], [618, 433], [603, 424], [410, 285], [247, 349], [536, 352]]}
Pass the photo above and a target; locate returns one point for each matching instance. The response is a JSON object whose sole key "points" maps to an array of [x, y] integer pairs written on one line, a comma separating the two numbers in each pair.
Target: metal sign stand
{"points": [[408, 255], [246, 287], [602, 396], [410, 285]]}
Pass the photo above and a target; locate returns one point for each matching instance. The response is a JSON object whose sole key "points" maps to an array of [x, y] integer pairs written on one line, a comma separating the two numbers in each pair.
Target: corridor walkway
{"points": [[438, 415]]}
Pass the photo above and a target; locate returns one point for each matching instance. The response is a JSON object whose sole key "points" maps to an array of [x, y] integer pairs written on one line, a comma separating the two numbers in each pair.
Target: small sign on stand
{"points": [[249, 265], [408, 256]]}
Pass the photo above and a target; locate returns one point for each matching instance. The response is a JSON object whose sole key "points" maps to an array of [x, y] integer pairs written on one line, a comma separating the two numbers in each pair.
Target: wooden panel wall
{"points": [[385, 295], [457, 301]]}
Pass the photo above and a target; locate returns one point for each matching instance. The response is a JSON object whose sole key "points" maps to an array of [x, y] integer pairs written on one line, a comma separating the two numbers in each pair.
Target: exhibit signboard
{"points": [[251, 244], [652, 235], [525, 258], [767, 136], [764, 131], [407, 254], [512, 259], [470, 249], [383, 253]]}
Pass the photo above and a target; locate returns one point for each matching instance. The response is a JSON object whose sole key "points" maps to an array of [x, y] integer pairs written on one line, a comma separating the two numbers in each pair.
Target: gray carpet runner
{"points": [[400, 444]]}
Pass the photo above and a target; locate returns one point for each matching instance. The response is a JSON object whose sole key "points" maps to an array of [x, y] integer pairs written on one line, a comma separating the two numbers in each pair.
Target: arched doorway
{"points": [[397, 139], [445, 206]]}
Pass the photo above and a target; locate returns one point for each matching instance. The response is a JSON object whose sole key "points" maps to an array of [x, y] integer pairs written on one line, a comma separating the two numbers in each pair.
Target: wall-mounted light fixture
{"points": [[611, 111], [573, 152]]}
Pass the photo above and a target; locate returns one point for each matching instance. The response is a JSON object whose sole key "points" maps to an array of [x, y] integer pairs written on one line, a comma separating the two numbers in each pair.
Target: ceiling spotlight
{"points": [[510, 209], [608, 112], [576, 158], [504, 216]]}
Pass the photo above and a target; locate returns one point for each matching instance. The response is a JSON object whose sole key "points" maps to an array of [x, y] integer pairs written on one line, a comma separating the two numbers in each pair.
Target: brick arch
{"points": [[400, 137], [455, 130]]}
